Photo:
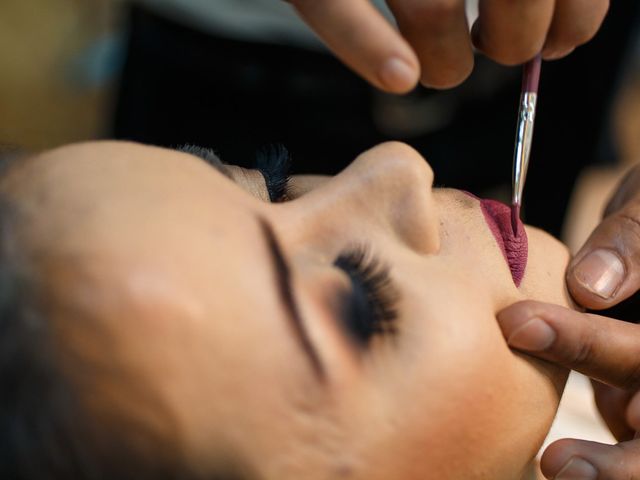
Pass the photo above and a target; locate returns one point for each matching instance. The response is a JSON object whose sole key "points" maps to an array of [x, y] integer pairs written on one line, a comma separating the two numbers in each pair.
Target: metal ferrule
{"points": [[524, 135]]}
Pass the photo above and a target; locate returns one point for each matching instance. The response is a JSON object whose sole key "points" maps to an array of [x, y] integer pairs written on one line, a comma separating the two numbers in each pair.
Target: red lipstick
{"points": [[510, 235]]}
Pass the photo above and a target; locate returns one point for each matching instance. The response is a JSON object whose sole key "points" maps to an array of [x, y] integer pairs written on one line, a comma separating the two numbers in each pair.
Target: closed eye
{"points": [[369, 309], [272, 162]]}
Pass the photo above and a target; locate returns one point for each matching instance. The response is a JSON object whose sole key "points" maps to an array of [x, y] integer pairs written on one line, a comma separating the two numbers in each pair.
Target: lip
{"points": [[515, 248]]}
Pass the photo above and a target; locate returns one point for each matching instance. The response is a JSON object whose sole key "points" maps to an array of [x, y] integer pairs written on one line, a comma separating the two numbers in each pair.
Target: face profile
{"points": [[323, 328]]}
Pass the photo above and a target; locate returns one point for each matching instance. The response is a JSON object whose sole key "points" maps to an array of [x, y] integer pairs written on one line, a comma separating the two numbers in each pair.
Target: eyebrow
{"points": [[282, 275], [281, 269]]}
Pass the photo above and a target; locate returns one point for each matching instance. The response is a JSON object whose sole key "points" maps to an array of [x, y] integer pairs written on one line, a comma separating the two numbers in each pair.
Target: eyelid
{"points": [[272, 164], [369, 308], [251, 181]]}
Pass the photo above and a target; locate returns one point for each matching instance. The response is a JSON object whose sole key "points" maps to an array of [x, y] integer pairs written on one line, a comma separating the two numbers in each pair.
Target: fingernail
{"points": [[534, 335], [396, 74], [601, 272], [577, 469]]}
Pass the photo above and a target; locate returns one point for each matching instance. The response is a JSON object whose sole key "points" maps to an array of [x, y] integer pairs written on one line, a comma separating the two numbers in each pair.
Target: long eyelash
{"points": [[274, 162], [370, 308]]}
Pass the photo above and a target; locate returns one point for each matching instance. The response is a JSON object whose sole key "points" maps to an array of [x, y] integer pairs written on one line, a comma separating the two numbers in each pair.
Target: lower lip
{"points": [[515, 248]]}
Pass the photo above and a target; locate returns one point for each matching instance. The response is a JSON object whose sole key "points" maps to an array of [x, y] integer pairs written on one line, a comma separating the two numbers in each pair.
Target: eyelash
{"points": [[370, 307], [274, 163]]}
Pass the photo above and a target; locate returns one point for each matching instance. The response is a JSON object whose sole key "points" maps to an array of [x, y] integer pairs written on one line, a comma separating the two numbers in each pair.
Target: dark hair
{"points": [[48, 431]]}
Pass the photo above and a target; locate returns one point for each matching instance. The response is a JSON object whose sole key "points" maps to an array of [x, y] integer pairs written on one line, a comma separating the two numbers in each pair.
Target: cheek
{"points": [[544, 278], [459, 404], [471, 421]]}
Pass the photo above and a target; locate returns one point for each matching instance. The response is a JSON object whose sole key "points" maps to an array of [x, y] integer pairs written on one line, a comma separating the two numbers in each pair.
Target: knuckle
{"points": [[626, 190], [630, 216], [628, 225], [625, 456], [582, 354], [622, 449], [584, 351]]}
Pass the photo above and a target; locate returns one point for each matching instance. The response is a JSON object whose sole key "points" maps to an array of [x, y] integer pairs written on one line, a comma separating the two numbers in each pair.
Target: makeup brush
{"points": [[524, 135]]}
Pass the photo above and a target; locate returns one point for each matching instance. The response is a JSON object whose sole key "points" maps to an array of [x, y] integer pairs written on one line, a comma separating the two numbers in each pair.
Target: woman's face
{"points": [[264, 335]]}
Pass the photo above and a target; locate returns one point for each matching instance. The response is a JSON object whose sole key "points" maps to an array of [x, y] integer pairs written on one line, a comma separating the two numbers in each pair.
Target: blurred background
{"points": [[60, 62], [170, 72], [159, 72]]}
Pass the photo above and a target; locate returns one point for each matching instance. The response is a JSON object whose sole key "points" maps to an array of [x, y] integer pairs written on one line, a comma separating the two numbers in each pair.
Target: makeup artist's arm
{"points": [[605, 272], [434, 43]]}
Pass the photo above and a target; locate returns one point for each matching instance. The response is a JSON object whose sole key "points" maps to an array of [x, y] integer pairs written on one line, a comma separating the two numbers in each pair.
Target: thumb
{"points": [[603, 273], [579, 459], [607, 268]]}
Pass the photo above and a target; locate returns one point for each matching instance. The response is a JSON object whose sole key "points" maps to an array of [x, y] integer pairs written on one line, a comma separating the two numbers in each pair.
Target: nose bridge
{"points": [[402, 189], [386, 190]]}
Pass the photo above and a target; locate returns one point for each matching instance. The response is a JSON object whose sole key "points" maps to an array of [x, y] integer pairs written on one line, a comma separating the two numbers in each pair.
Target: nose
{"points": [[387, 189]]}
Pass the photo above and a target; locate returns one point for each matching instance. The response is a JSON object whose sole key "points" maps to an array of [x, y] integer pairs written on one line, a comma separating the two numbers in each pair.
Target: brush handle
{"points": [[531, 75], [524, 133]]}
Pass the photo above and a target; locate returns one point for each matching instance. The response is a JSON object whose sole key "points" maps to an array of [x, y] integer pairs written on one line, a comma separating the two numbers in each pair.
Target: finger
{"points": [[360, 36], [628, 188], [599, 347], [612, 404], [632, 416], [579, 459], [512, 32], [574, 22], [439, 34], [607, 268]]}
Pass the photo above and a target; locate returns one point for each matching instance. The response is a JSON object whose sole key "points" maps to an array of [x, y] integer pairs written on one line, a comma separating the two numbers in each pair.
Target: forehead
{"points": [[162, 239], [96, 185], [140, 221], [97, 168]]}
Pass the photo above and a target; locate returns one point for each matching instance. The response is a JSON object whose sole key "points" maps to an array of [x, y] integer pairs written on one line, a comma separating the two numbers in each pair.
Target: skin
{"points": [[433, 43], [602, 348], [160, 269]]}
